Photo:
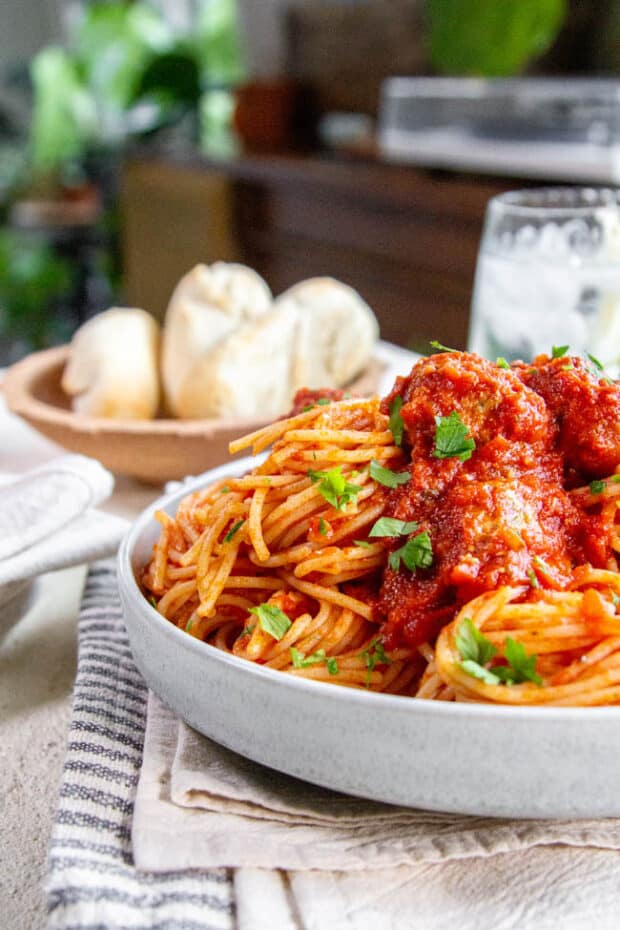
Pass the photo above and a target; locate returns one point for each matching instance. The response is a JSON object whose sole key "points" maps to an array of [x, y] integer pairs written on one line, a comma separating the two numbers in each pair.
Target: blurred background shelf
{"points": [[139, 138], [406, 239]]}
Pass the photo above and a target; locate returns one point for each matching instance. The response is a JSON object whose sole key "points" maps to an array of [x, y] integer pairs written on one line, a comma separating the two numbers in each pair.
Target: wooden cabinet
{"points": [[405, 239]]}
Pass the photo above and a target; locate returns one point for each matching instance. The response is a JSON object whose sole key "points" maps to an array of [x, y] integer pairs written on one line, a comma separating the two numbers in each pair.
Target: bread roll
{"points": [[246, 375], [208, 304], [336, 332], [320, 333], [113, 366]]}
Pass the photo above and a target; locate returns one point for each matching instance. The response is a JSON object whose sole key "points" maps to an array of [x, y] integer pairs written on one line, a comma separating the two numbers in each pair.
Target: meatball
{"points": [[585, 406]]}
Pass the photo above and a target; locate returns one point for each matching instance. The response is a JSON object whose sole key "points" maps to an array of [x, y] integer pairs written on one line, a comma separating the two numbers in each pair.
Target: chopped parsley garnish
{"points": [[272, 620], [374, 654], [531, 574], [476, 650], [322, 527], [247, 630], [472, 644], [153, 601], [568, 367], [501, 362], [595, 362], [521, 667], [396, 425], [390, 526], [615, 479], [225, 490], [362, 543], [597, 487], [452, 439], [189, 625], [479, 671], [321, 402], [234, 529], [332, 665], [301, 661], [387, 477], [541, 565], [416, 553], [334, 487], [559, 351], [440, 348]]}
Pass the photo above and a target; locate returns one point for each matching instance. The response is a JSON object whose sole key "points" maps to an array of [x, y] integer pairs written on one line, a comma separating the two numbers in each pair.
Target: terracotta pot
{"points": [[265, 113]]}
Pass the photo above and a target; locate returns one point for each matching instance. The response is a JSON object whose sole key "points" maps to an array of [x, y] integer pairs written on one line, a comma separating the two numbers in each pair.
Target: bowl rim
{"points": [[129, 585], [20, 400]]}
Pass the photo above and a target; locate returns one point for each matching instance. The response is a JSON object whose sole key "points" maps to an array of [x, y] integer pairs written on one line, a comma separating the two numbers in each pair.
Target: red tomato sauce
{"points": [[504, 515]]}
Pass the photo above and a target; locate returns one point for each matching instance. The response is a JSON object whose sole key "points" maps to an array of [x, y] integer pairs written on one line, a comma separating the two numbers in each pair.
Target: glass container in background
{"points": [[548, 273]]}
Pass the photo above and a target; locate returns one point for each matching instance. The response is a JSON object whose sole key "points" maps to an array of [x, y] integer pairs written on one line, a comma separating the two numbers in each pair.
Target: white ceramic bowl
{"points": [[465, 758]]}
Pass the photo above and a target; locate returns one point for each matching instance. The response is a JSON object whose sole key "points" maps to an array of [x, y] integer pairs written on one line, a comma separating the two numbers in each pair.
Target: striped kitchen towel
{"points": [[92, 883]]}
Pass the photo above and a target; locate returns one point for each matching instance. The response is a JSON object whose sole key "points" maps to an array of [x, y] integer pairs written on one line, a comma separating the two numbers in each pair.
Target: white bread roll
{"points": [[246, 375], [208, 304], [320, 333], [113, 366], [336, 333]]}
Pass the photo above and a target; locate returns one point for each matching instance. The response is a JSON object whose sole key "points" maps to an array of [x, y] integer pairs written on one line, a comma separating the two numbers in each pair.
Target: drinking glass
{"points": [[548, 273]]}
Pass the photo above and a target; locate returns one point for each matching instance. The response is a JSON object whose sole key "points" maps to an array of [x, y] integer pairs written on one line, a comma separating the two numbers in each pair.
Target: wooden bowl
{"points": [[151, 450]]}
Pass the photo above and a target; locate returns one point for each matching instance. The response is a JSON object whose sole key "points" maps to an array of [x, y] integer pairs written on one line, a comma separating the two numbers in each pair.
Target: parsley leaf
{"points": [[479, 671], [234, 529], [374, 654], [595, 362], [332, 665], [322, 527], [396, 425], [334, 487], [323, 401], [559, 351], [247, 630], [301, 661], [416, 553], [386, 477], [362, 543], [440, 348], [390, 526], [476, 650], [541, 565], [597, 487], [501, 362], [272, 620], [521, 667], [451, 438], [472, 644]]}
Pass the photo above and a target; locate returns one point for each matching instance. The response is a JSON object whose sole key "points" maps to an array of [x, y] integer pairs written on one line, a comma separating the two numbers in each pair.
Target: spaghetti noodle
{"points": [[288, 566], [291, 536]]}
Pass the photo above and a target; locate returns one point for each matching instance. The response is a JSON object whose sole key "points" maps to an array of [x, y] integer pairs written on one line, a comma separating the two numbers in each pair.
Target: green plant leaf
{"points": [[491, 38], [64, 117], [113, 44]]}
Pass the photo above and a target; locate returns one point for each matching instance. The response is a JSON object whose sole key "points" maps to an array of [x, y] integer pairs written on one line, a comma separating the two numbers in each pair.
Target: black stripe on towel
{"points": [[92, 884]]}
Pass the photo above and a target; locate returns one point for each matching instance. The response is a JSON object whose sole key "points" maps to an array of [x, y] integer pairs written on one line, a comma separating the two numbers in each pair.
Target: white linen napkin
{"points": [[313, 858], [48, 520]]}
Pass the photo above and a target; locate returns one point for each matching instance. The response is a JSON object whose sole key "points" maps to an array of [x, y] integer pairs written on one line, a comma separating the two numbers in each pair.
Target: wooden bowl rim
{"points": [[17, 386]]}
